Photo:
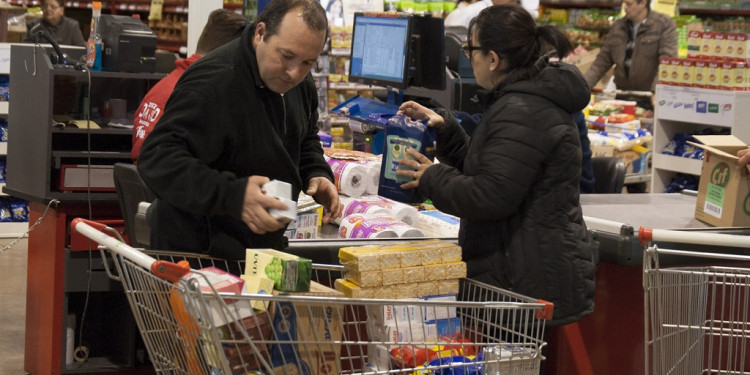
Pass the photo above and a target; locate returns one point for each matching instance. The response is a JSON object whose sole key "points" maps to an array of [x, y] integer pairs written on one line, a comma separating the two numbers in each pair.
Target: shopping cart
{"points": [[697, 317], [190, 328]]}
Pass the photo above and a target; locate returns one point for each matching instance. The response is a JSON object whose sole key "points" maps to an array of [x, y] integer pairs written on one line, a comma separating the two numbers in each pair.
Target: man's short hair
{"points": [[312, 13], [222, 26]]}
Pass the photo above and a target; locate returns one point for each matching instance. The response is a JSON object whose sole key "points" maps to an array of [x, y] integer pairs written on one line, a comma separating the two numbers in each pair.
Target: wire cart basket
{"points": [[697, 317], [190, 328]]}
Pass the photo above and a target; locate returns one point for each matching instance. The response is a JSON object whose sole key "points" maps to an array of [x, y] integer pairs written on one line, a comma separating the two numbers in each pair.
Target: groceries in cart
{"points": [[424, 315]]}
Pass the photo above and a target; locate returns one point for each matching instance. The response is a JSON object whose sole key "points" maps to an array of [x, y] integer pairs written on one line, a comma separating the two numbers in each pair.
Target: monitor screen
{"points": [[380, 50]]}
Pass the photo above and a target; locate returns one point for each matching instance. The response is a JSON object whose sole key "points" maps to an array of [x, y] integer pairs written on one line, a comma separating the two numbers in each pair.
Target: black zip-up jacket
{"points": [[515, 186], [220, 126]]}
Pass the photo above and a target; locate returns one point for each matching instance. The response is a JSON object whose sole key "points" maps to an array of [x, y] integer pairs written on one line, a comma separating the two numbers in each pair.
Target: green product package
{"points": [[289, 273]]}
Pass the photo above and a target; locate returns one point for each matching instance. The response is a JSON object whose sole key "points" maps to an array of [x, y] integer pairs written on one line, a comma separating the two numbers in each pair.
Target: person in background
{"points": [[222, 26], [239, 117], [515, 183], [63, 29], [634, 45], [466, 10]]}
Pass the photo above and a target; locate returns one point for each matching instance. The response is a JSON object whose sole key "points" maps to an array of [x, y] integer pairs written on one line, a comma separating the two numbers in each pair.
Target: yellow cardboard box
{"points": [[724, 189]]}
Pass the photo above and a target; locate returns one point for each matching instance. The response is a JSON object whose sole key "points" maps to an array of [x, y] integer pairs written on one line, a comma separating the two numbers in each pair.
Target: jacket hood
{"points": [[558, 82]]}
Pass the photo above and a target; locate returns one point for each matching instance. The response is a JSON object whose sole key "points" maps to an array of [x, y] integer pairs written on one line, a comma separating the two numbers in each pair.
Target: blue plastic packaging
{"points": [[401, 134]]}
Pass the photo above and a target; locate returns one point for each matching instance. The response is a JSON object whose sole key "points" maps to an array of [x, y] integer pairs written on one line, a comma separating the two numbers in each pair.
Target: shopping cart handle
{"points": [[546, 312], [645, 235], [170, 271]]}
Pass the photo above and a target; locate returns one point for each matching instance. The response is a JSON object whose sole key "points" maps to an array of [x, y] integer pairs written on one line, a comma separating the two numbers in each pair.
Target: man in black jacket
{"points": [[244, 114]]}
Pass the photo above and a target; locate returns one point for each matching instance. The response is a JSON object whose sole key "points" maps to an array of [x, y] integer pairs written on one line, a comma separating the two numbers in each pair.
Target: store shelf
{"points": [[580, 4], [637, 178], [714, 12], [13, 229], [678, 164], [689, 109]]}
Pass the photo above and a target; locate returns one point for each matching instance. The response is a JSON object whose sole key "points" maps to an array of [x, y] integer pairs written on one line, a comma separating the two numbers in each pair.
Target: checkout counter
{"points": [[611, 340]]}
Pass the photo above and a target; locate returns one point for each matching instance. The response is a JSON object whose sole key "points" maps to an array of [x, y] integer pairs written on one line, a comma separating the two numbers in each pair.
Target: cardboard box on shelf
{"points": [[724, 189], [636, 159]]}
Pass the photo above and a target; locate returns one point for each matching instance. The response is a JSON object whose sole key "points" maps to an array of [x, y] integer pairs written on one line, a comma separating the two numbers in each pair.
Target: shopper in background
{"points": [[466, 10], [63, 29], [222, 26], [239, 117], [514, 184], [634, 45]]}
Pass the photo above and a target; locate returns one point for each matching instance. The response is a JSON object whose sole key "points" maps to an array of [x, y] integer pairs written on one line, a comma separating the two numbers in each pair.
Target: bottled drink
{"points": [[94, 44]]}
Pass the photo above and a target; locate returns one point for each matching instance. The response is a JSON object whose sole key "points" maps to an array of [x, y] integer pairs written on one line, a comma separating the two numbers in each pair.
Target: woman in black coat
{"points": [[515, 182]]}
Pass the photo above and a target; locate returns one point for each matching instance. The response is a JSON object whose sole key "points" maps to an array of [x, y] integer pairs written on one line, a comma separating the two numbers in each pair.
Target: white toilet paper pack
{"points": [[351, 178], [364, 226]]}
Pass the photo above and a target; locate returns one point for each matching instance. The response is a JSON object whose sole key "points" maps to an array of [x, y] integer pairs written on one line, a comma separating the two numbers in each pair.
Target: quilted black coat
{"points": [[515, 186]]}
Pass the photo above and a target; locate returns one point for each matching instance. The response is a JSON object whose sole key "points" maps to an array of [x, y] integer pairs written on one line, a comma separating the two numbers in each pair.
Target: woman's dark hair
{"points": [[511, 32], [312, 13]]}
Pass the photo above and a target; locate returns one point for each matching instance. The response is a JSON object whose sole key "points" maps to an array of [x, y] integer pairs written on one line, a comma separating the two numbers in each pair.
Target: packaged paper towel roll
{"points": [[404, 212], [358, 226], [374, 171], [351, 178], [367, 226], [364, 205]]}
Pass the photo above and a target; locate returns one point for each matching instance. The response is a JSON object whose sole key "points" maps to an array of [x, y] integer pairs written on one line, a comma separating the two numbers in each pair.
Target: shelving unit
{"points": [[170, 36], [7, 229], [684, 109], [38, 149], [36, 152]]}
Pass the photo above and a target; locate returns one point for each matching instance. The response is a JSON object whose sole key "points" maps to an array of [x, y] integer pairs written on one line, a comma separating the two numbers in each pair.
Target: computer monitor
{"points": [[427, 53], [380, 50]]}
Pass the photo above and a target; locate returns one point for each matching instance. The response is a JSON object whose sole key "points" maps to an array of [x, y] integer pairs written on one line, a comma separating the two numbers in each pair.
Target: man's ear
{"points": [[260, 31]]}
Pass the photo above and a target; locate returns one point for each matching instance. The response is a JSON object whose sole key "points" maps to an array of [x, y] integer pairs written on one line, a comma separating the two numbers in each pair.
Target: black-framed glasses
{"points": [[467, 49]]}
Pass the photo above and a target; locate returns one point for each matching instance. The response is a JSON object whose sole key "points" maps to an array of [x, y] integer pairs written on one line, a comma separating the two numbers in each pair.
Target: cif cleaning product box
{"points": [[724, 189]]}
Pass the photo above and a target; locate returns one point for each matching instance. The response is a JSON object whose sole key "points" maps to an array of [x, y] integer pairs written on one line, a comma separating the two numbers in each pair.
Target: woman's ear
{"points": [[496, 63]]}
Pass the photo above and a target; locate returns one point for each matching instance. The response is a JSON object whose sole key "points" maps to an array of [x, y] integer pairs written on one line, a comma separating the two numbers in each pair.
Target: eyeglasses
{"points": [[467, 49]]}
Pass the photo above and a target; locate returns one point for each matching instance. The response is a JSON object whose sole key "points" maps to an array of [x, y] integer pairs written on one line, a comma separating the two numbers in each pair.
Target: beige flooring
{"points": [[12, 306]]}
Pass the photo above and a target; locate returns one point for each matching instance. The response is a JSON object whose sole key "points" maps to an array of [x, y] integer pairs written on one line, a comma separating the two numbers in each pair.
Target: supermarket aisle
{"points": [[12, 306]]}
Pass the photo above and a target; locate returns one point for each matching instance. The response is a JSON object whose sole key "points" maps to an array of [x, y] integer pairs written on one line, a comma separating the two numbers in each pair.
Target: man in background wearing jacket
{"points": [[222, 26]]}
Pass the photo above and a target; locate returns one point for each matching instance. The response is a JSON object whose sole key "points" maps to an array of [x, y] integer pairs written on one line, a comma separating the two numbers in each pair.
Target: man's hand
{"points": [[325, 193], [256, 205]]}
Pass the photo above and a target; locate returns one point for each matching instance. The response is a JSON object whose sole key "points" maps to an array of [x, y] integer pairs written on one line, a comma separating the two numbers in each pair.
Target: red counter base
{"points": [[609, 341], [45, 285]]}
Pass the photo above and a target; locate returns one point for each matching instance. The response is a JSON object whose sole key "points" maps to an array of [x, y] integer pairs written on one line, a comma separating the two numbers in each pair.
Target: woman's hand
{"points": [[416, 111], [418, 166]]}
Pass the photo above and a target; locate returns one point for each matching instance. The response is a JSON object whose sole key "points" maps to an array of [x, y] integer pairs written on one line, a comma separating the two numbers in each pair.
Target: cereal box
{"points": [[740, 76], [719, 46], [727, 75], [714, 75], [686, 73], [664, 70], [694, 44], [707, 45], [700, 73], [742, 51]]}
